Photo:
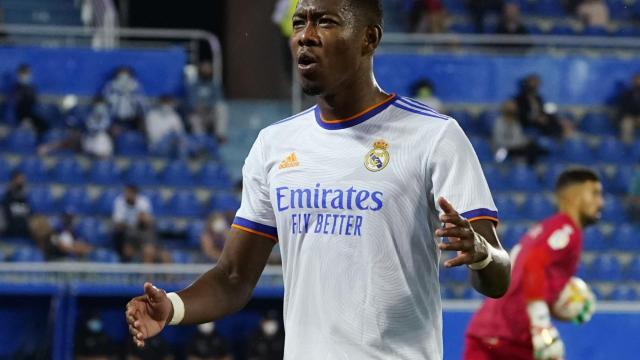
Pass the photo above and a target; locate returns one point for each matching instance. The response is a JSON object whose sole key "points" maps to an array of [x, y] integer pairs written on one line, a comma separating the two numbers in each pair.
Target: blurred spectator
{"points": [[634, 197], [16, 208], [25, 100], [424, 91], [93, 138], [531, 110], [155, 348], [125, 97], [134, 232], [479, 9], [207, 109], [510, 21], [281, 17], [593, 13], [267, 343], [213, 236], [65, 241], [165, 130], [427, 16], [207, 344], [629, 110], [509, 139], [91, 341]]}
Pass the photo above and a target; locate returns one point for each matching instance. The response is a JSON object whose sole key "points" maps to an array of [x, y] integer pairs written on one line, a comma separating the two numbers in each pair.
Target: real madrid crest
{"points": [[378, 158]]}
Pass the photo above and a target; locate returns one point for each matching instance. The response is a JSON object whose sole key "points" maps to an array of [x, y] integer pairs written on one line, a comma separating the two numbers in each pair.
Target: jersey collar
{"points": [[356, 119]]}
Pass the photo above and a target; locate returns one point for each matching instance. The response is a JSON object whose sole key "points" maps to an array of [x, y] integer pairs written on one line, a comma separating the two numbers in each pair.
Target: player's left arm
{"points": [[478, 246]]}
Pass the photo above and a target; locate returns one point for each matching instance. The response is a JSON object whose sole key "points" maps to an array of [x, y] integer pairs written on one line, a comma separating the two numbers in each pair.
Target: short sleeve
{"points": [[145, 205], [256, 212], [455, 174], [118, 215]]}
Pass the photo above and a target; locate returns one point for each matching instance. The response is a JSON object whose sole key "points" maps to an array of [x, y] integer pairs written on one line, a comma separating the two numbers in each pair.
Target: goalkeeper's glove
{"points": [[547, 344]]}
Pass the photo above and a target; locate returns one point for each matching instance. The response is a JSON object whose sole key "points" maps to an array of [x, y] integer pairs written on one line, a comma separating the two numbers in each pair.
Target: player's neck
{"points": [[573, 214], [351, 99]]}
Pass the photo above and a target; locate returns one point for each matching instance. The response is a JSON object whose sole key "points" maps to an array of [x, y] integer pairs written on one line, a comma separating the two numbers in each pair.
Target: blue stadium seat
{"points": [[54, 135], [606, 267], [561, 29], [466, 121], [51, 114], [104, 202], [185, 203], [619, 9], [595, 31], [213, 175], [632, 272], [446, 293], [620, 182], [625, 237], [141, 173], [549, 8], [104, 172], [522, 178], [42, 200], [5, 171], [204, 144], [21, 141], [635, 151], [512, 235], [104, 256], [34, 169], [68, 171], [181, 257], [594, 239], [507, 208], [78, 200], [462, 28], [575, 150], [158, 203], [597, 124], [194, 230], [486, 119], [224, 202], [131, 143], [611, 150], [177, 173], [26, 254], [454, 274], [627, 31], [455, 7], [538, 207], [494, 176], [612, 210], [94, 231], [624, 292], [482, 148]]}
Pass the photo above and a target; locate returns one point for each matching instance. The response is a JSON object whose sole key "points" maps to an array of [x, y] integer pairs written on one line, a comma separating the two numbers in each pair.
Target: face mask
{"points": [[24, 79], [166, 108], [122, 77], [424, 93], [207, 328], [270, 327], [219, 225], [94, 325]]}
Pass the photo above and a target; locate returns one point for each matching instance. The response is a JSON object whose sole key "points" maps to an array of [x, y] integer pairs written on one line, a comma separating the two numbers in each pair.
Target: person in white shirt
{"points": [[133, 226], [165, 130], [357, 191]]}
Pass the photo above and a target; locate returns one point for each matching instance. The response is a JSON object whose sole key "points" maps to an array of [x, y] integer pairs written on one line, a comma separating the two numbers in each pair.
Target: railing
{"points": [[127, 37]]}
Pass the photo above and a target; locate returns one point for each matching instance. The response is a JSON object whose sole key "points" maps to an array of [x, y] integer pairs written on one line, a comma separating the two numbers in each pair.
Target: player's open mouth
{"points": [[306, 62]]}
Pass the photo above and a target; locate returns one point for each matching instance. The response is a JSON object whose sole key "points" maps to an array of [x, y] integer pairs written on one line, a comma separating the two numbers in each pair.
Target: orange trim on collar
{"points": [[335, 121]]}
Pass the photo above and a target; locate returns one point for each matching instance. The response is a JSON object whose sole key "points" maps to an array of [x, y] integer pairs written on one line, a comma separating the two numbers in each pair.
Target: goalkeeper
{"points": [[518, 325]]}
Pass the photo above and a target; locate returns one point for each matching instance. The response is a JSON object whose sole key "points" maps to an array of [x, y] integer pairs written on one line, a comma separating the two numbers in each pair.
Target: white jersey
{"points": [[353, 205]]}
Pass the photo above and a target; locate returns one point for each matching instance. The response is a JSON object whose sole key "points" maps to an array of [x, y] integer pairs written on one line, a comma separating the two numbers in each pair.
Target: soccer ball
{"points": [[576, 302]]}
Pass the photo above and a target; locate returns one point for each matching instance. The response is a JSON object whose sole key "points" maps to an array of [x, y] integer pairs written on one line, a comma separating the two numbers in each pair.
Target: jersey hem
{"points": [[255, 228]]}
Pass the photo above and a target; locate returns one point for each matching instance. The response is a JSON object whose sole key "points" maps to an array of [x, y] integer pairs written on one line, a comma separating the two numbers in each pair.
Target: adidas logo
{"points": [[289, 162]]}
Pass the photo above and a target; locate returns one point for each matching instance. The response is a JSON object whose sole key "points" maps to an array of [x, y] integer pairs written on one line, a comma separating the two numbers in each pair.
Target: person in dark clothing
{"points": [[510, 22], [207, 344], [267, 342], [25, 100], [91, 341], [629, 110], [65, 241], [531, 109], [479, 9], [16, 208]]}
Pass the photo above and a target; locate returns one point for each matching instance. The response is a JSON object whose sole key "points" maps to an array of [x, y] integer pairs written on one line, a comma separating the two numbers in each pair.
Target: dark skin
{"points": [[334, 51]]}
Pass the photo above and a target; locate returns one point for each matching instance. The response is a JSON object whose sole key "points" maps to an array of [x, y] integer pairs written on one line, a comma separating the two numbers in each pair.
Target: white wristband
{"points": [[483, 263], [178, 308]]}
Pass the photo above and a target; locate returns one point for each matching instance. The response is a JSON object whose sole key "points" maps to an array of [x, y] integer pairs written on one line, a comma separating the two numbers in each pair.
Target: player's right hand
{"points": [[547, 344], [148, 314]]}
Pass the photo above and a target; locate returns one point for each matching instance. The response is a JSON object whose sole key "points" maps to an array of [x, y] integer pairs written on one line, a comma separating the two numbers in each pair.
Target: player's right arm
{"points": [[221, 291]]}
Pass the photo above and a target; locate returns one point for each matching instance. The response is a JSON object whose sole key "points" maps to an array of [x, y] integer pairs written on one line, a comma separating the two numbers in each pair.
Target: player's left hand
{"points": [[462, 238]]}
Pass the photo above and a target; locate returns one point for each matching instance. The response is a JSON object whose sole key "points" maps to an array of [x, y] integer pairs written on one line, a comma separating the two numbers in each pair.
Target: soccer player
{"points": [[518, 326], [357, 190]]}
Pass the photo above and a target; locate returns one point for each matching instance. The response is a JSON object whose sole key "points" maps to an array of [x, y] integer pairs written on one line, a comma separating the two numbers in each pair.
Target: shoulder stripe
{"points": [[294, 116], [419, 104], [416, 111], [422, 108]]}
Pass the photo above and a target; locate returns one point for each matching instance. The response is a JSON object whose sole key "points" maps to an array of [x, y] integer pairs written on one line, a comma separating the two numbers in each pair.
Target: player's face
{"points": [[326, 45], [591, 202]]}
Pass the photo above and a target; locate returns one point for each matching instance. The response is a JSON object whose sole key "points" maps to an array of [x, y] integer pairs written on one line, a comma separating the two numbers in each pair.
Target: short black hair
{"points": [[575, 175], [372, 9]]}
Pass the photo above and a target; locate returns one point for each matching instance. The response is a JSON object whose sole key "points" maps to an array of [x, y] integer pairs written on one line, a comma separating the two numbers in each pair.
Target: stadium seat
{"points": [[507, 208], [621, 180], [538, 207], [5, 171], [213, 175], [54, 135], [482, 148], [51, 114], [619, 9], [194, 231], [446, 293], [466, 121], [26, 254], [42, 201], [185, 203], [606, 267], [104, 172], [454, 274], [522, 178], [612, 210], [594, 239], [94, 231], [612, 151], [34, 169], [68, 171], [462, 28], [158, 203], [486, 119], [597, 124], [203, 145], [180, 257], [635, 151], [575, 150], [104, 256], [595, 31], [512, 235], [561, 29], [551, 173], [177, 173], [632, 272], [78, 201], [625, 237], [627, 31], [455, 7], [624, 292], [224, 202], [21, 141], [131, 143], [141, 173], [104, 201], [549, 8], [494, 176]]}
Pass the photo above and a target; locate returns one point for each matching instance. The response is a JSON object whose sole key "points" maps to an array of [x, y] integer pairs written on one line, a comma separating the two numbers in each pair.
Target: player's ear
{"points": [[372, 38]]}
